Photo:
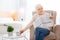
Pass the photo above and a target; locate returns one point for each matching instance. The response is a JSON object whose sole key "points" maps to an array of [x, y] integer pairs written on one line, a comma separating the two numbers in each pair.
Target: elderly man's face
{"points": [[39, 9]]}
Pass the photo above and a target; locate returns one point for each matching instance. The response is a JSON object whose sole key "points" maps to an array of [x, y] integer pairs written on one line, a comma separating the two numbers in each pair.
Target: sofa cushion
{"points": [[50, 36]]}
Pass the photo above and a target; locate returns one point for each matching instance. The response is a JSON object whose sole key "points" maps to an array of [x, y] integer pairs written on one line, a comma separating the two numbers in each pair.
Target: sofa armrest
{"points": [[54, 28], [32, 33], [57, 32]]}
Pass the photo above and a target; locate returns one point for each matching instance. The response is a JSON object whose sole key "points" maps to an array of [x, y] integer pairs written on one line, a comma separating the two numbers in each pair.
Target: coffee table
{"points": [[13, 37]]}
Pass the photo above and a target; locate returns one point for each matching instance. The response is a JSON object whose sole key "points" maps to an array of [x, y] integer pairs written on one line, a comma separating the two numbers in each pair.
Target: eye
{"points": [[39, 9]]}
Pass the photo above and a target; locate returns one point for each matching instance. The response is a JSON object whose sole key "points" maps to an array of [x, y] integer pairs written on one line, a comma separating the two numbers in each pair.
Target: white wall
{"points": [[8, 5]]}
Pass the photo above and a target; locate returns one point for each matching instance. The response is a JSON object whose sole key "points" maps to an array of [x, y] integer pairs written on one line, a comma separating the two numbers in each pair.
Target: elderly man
{"points": [[42, 21]]}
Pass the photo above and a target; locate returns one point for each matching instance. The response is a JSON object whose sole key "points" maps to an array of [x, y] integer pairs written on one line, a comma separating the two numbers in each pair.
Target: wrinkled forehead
{"points": [[39, 7]]}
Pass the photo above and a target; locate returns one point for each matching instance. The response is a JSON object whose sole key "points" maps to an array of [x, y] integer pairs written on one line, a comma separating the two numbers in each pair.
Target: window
{"points": [[8, 5]]}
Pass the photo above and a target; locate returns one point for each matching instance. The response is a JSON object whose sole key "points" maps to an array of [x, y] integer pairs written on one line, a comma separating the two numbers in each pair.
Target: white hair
{"points": [[39, 5]]}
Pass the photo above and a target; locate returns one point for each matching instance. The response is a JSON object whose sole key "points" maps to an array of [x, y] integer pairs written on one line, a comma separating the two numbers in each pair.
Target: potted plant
{"points": [[10, 30]]}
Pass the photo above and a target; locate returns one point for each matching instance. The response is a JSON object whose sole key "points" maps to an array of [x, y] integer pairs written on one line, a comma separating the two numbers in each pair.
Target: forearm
{"points": [[30, 23], [24, 29], [27, 27]]}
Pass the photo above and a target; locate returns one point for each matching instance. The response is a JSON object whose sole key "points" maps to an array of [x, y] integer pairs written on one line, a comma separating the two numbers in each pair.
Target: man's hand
{"points": [[21, 31], [51, 17]]}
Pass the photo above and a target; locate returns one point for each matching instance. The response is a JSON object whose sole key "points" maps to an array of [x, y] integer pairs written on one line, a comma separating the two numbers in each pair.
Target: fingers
{"points": [[51, 17], [21, 31]]}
